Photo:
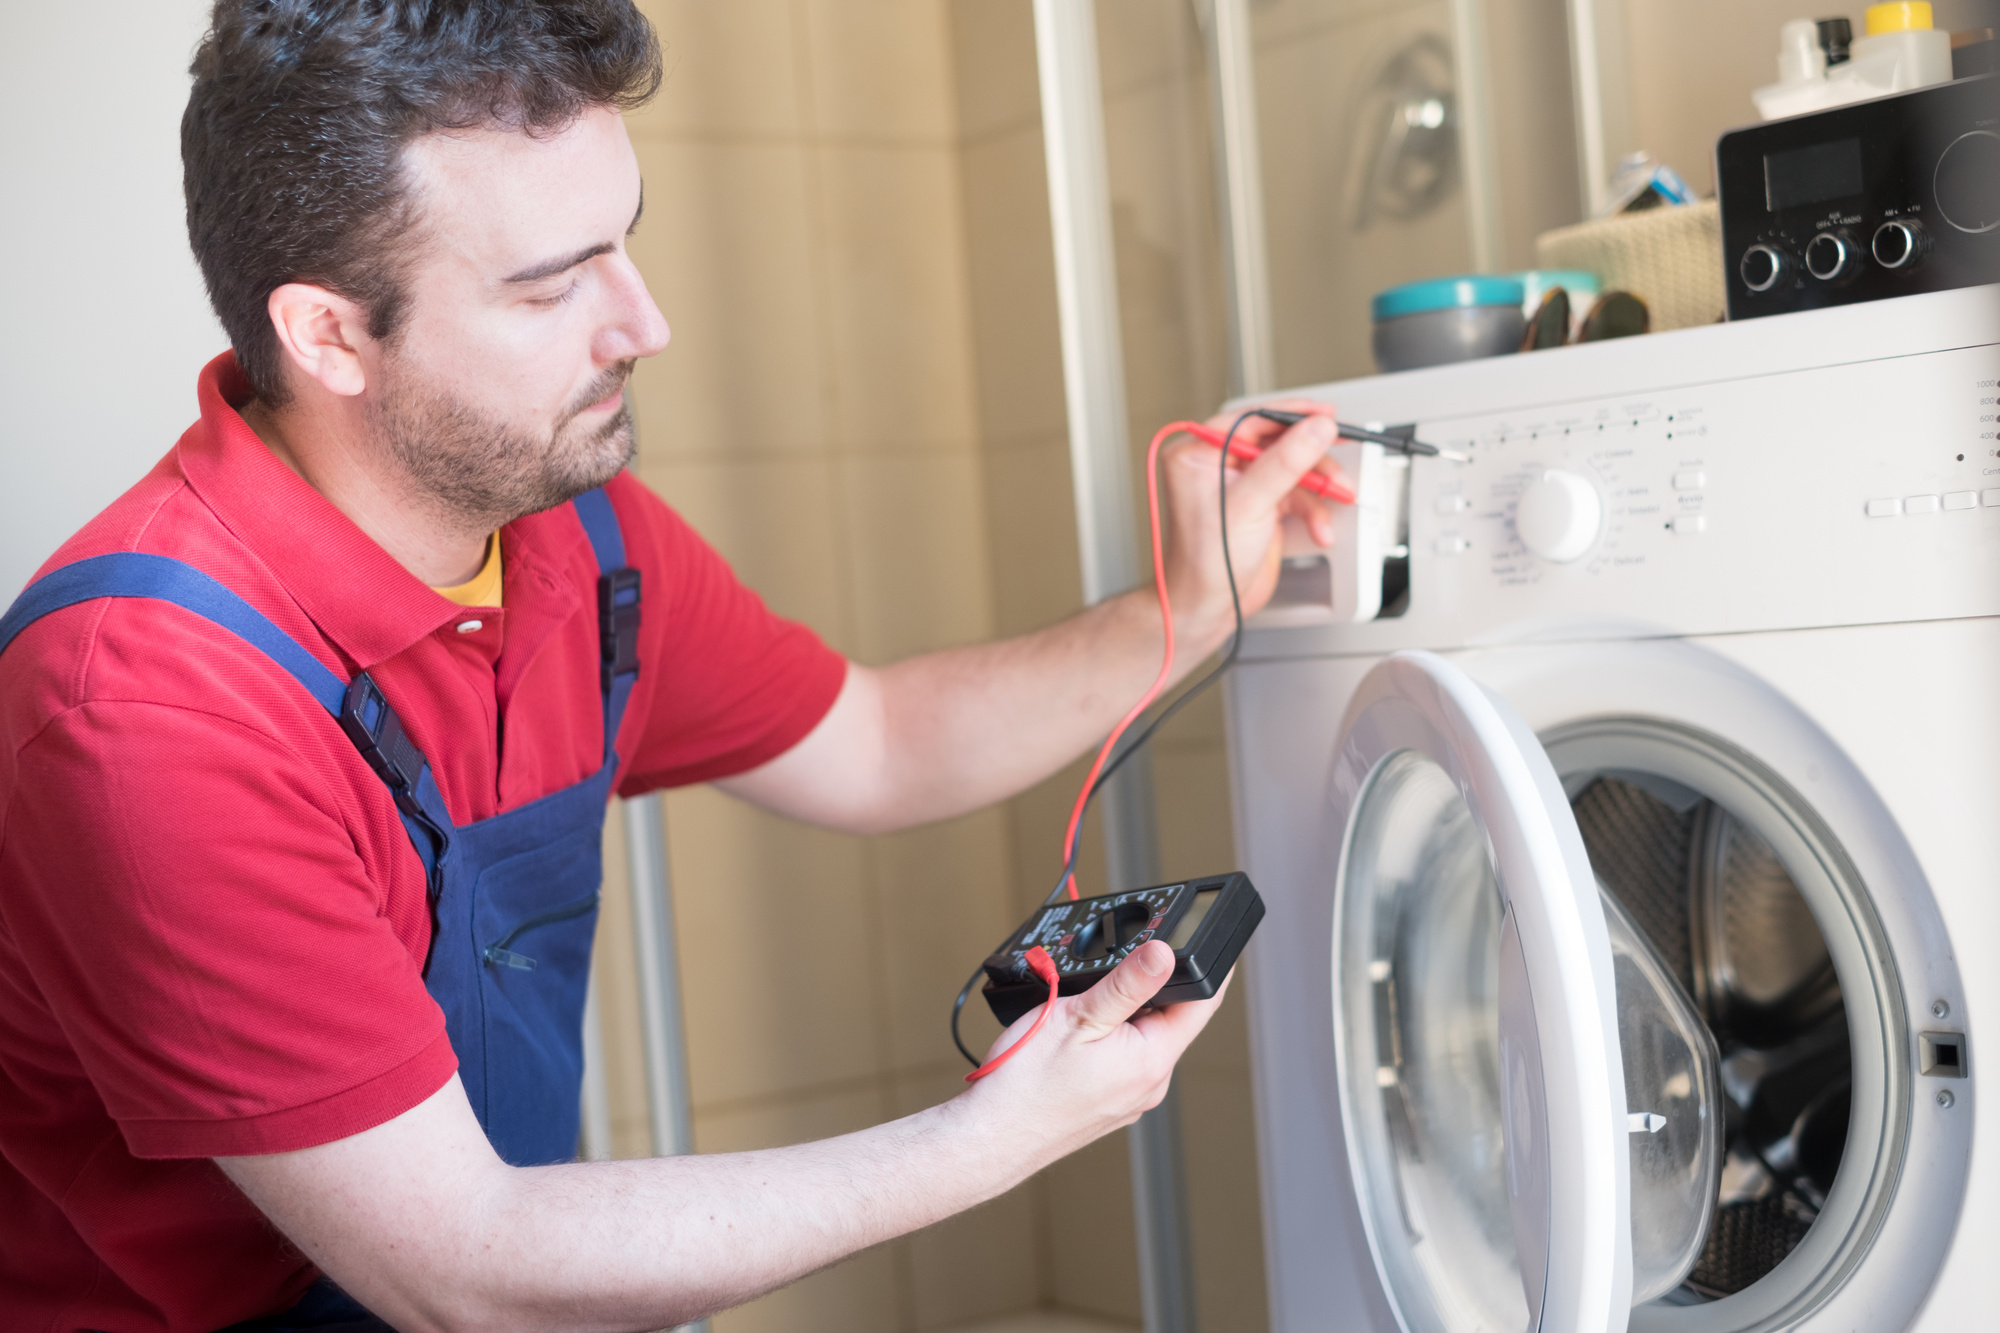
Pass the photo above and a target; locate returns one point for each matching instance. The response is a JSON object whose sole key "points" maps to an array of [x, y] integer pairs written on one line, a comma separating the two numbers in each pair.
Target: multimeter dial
{"points": [[1114, 930]]}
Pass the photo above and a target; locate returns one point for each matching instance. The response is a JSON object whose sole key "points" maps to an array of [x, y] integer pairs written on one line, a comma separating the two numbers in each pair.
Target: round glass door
{"points": [[1421, 961], [1468, 991]]}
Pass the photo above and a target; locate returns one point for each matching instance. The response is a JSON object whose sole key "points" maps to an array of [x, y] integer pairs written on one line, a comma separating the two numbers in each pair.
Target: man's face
{"points": [[502, 392]]}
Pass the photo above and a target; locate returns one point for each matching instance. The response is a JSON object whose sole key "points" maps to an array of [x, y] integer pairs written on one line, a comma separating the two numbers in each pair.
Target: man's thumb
{"points": [[1133, 982]]}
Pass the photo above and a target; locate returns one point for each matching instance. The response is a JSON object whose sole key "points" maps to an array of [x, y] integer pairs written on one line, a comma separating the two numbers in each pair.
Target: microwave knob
{"points": [[1764, 266], [1832, 255], [1900, 244], [1559, 516], [1967, 182]]}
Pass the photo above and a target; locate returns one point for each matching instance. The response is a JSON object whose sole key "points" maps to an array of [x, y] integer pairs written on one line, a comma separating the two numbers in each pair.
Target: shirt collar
{"points": [[356, 592]]}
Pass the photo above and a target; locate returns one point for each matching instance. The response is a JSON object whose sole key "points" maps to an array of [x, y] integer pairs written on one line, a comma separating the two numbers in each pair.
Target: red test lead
{"points": [[1038, 959], [1326, 486], [1317, 482]]}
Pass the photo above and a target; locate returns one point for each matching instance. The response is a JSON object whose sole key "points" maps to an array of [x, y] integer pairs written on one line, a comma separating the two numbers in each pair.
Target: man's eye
{"points": [[562, 297]]}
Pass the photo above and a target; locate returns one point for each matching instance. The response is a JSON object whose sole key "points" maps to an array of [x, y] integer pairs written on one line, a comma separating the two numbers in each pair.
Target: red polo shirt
{"points": [[212, 922]]}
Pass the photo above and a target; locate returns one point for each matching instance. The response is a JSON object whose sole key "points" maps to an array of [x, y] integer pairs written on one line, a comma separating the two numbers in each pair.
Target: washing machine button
{"points": [[1888, 508], [1990, 498], [1451, 544], [1686, 525], [1920, 504], [1962, 500], [1690, 481]]}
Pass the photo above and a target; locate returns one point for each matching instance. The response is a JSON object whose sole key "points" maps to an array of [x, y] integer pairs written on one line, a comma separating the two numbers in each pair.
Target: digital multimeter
{"points": [[1206, 922]]}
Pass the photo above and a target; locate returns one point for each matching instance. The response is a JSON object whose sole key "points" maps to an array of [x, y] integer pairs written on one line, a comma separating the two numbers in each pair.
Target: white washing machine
{"points": [[1628, 817]]}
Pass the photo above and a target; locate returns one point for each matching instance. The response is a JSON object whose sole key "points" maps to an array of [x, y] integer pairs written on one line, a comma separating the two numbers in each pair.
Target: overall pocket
{"points": [[535, 916]]}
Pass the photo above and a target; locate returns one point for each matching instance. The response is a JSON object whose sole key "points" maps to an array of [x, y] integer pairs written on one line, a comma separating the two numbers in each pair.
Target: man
{"points": [[308, 740]]}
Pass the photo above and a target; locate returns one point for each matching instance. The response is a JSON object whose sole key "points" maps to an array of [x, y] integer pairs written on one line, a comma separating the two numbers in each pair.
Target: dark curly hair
{"points": [[292, 142]]}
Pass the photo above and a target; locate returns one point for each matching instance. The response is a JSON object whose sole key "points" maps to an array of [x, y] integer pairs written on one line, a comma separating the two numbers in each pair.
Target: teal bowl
{"points": [[1444, 320]]}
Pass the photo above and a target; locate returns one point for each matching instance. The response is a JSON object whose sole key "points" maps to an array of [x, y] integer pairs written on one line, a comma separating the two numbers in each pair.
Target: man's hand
{"points": [[1262, 494], [421, 1223], [1093, 1067]]}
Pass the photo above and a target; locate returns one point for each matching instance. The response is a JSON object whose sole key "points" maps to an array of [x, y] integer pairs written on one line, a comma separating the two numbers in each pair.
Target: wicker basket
{"points": [[1669, 257]]}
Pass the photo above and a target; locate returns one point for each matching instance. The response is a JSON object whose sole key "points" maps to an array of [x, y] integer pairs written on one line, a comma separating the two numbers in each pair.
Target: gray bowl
{"points": [[1440, 337]]}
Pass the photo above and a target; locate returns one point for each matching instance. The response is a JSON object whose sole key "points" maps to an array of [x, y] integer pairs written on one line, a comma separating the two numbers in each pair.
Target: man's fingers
{"points": [[1256, 427], [1183, 1022], [1315, 513], [1267, 480], [1138, 979]]}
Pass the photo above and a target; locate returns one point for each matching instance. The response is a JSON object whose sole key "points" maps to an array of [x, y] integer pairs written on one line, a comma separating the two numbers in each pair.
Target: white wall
{"points": [[103, 322]]}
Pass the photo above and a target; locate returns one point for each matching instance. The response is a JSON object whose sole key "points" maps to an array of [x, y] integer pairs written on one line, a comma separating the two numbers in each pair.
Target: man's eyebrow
{"points": [[548, 268]]}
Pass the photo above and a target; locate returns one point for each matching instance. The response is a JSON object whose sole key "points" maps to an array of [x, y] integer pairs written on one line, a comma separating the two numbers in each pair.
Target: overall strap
{"points": [[617, 611], [133, 574], [357, 705], [600, 524]]}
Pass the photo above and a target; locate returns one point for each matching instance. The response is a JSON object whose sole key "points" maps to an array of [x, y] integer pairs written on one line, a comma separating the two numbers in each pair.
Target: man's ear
{"points": [[321, 334]]}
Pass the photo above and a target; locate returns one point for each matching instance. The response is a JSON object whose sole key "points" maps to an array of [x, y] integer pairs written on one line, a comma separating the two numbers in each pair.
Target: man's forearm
{"points": [[422, 1223], [639, 1244], [975, 725], [716, 1231], [948, 732]]}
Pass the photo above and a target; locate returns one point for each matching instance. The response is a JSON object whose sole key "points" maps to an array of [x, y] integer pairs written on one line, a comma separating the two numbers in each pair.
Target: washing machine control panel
{"points": [[1600, 489], [1860, 493]]}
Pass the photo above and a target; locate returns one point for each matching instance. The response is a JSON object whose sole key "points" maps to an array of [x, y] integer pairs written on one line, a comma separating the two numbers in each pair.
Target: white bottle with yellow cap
{"points": [[1901, 51], [1900, 36]]}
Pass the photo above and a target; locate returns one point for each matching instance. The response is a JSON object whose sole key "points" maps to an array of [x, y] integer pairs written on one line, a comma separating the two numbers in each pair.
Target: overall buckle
{"points": [[369, 721], [618, 624]]}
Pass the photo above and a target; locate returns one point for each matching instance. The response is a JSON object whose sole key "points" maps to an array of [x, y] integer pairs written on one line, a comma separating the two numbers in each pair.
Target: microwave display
{"points": [[1813, 175]]}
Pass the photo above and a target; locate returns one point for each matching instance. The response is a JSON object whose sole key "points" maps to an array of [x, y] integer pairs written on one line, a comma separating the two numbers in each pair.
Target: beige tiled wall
{"points": [[862, 408], [815, 418]]}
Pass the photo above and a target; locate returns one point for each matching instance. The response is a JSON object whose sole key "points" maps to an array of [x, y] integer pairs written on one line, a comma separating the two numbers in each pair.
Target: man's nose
{"points": [[636, 328]]}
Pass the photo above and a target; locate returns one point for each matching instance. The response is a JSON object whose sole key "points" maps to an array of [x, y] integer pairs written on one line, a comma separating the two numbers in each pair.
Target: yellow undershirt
{"points": [[483, 588]]}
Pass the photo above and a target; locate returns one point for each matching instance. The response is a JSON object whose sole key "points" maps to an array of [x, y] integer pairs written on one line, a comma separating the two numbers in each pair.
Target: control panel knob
{"points": [[1900, 244], [1832, 255], [1559, 516], [1967, 182], [1764, 266]]}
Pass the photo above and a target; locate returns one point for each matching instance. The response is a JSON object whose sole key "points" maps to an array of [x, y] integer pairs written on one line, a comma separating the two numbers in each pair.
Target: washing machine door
{"points": [[1476, 1018]]}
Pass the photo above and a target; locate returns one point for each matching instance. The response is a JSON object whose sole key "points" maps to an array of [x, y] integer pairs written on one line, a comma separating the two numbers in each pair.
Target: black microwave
{"points": [[1882, 198]]}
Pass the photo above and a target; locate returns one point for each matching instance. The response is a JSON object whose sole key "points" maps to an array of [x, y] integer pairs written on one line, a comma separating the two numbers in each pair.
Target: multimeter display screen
{"points": [[1801, 176], [1191, 921]]}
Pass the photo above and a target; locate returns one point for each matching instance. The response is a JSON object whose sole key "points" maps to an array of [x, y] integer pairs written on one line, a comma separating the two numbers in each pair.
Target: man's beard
{"points": [[484, 472]]}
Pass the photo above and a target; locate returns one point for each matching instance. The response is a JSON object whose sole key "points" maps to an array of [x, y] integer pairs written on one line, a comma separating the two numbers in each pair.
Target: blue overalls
{"points": [[513, 897]]}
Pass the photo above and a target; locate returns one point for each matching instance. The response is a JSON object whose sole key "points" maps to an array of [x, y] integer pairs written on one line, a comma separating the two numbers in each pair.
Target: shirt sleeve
{"points": [[199, 922], [730, 684]]}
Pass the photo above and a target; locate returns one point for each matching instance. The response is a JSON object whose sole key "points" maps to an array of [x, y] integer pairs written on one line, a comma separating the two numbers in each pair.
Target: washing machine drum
{"points": [[1530, 1091]]}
